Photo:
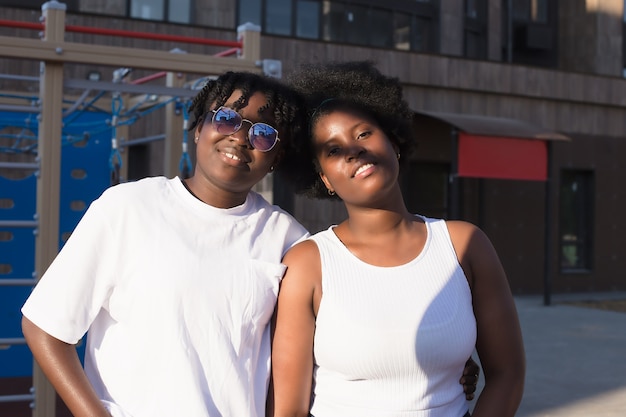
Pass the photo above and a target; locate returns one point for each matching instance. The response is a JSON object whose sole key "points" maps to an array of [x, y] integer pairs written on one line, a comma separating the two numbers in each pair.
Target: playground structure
{"points": [[57, 138]]}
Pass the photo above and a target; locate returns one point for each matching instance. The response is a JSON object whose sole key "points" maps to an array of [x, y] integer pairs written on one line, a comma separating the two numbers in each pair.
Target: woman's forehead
{"points": [[252, 99]]}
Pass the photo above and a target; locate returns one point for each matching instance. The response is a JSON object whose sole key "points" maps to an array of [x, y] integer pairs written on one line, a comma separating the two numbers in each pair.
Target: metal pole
{"points": [[173, 128], [547, 270], [11, 282], [48, 180], [18, 223], [19, 165]]}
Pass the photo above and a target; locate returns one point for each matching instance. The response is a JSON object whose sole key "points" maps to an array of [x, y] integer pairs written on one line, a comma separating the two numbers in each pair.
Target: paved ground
{"points": [[576, 358]]}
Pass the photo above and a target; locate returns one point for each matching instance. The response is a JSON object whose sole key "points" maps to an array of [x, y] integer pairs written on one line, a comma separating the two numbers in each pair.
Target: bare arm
{"points": [[499, 337], [60, 363], [294, 327]]}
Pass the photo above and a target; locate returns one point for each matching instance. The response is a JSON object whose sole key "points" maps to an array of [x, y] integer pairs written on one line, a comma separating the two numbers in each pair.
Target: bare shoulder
{"points": [[460, 228], [464, 235], [303, 252], [473, 248], [301, 284], [303, 263]]}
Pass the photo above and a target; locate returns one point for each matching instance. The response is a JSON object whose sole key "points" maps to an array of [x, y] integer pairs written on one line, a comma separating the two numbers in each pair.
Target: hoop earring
{"points": [[331, 192]]}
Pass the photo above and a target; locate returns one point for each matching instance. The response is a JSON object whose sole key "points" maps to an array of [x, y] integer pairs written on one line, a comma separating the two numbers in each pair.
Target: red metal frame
{"points": [[21, 25], [127, 33], [148, 78]]}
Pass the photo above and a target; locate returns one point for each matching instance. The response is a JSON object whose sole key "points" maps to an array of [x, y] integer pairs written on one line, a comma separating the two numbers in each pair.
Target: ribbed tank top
{"points": [[392, 341]]}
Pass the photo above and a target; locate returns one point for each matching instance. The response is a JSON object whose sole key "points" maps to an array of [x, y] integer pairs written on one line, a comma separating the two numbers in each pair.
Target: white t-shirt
{"points": [[177, 296]]}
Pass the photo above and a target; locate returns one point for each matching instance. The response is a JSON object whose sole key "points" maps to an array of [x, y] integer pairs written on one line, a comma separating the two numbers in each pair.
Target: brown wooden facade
{"points": [[584, 98]]}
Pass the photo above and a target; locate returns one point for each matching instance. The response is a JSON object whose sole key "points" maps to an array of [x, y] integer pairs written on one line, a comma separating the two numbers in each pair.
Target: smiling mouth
{"points": [[235, 156], [231, 156], [362, 168]]}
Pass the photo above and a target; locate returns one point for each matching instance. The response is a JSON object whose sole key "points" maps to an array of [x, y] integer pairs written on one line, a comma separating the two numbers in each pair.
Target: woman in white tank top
{"points": [[377, 315]]}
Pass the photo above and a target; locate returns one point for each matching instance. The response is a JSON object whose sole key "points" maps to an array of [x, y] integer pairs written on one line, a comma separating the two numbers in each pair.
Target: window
{"points": [[347, 23], [576, 220], [475, 30], [531, 32], [380, 22], [539, 11], [147, 9], [249, 12], [402, 31], [178, 11], [531, 10], [277, 17], [307, 19], [402, 24], [423, 39]]}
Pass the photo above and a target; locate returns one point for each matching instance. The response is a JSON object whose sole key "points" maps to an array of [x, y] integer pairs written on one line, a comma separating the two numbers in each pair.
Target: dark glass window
{"points": [[576, 220], [402, 31], [347, 23], [277, 17], [401, 24], [356, 24], [531, 32], [471, 9], [381, 30], [178, 11], [475, 30], [531, 10], [539, 11], [422, 39], [307, 19], [147, 9], [249, 11]]}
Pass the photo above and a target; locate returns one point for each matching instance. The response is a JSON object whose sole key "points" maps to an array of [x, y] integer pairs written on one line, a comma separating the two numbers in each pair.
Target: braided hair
{"points": [[287, 107], [357, 85]]}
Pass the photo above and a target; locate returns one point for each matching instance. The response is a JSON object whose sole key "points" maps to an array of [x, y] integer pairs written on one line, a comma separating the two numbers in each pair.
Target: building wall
{"points": [[590, 37], [584, 98]]}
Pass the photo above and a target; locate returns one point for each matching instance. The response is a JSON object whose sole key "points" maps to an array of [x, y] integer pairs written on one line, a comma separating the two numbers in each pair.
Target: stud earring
{"points": [[398, 156], [195, 140]]}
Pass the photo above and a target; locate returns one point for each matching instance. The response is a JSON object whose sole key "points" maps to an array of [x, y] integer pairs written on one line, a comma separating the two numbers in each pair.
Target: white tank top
{"points": [[392, 341]]}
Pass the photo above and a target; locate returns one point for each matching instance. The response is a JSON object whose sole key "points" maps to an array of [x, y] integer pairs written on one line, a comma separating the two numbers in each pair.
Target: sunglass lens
{"points": [[226, 121], [262, 136]]}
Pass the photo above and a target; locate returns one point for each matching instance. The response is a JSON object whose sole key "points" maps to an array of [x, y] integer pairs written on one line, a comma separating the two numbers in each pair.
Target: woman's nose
{"points": [[354, 152], [241, 136]]}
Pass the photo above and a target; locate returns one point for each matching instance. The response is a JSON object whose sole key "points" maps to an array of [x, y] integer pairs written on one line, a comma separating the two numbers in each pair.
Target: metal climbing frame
{"points": [[53, 52]]}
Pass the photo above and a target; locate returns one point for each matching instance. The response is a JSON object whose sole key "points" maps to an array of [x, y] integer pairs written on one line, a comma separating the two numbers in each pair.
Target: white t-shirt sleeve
{"points": [[295, 234], [79, 281]]}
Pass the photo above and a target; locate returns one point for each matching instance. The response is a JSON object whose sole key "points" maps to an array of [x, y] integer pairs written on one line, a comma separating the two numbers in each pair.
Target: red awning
{"points": [[494, 147], [502, 158]]}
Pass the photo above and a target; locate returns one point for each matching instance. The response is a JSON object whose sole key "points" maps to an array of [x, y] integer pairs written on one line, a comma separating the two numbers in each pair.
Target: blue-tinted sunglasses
{"points": [[261, 136]]}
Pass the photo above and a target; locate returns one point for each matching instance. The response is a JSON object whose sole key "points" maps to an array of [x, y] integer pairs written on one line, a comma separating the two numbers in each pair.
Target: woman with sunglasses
{"points": [[377, 315], [175, 280]]}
